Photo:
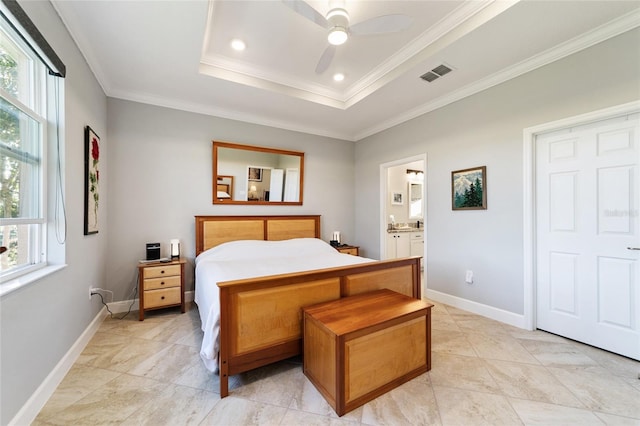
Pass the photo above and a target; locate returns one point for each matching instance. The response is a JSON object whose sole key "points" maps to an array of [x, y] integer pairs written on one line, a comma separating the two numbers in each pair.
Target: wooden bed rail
{"points": [[261, 318]]}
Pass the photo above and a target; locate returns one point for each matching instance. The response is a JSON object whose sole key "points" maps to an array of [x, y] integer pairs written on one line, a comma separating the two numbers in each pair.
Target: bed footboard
{"points": [[261, 318]]}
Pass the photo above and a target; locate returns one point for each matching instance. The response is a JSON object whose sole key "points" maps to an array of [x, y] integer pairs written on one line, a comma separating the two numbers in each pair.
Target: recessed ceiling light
{"points": [[338, 76], [238, 44]]}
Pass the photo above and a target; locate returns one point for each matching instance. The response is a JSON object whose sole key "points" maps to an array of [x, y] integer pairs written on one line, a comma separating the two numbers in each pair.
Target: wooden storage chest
{"points": [[359, 347]]}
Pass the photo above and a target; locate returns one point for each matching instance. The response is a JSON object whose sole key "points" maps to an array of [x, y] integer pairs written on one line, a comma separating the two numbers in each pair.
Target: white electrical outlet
{"points": [[469, 277]]}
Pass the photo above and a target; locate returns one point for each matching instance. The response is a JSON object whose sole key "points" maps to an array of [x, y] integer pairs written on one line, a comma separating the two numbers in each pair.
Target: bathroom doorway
{"points": [[403, 205]]}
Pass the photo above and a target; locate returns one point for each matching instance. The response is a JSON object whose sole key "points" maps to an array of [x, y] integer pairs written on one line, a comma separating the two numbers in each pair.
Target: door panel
{"points": [[615, 287], [614, 190], [562, 193], [562, 277], [587, 208]]}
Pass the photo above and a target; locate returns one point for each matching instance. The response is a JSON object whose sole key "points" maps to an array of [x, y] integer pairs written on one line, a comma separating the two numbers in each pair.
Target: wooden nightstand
{"points": [[161, 285], [354, 250]]}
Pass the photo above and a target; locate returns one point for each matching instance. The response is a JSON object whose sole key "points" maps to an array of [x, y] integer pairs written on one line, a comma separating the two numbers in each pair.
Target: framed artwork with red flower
{"points": [[91, 180]]}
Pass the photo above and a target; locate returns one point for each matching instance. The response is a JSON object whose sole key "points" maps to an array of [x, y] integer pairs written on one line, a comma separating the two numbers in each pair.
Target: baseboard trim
{"points": [[34, 404], [123, 306], [491, 312]]}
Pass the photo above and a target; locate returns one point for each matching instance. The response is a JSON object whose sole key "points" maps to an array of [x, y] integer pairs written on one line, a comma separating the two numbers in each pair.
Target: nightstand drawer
{"points": [[165, 282], [164, 297], [351, 250], [161, 271]]}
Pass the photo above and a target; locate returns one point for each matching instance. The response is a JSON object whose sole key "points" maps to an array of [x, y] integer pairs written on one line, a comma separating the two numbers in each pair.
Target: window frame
{"points": [[37, 81]]}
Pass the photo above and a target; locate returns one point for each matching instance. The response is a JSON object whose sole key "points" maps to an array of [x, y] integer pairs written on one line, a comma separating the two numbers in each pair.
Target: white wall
{"points": [[486, 129], [161, 179], [39, 323]]}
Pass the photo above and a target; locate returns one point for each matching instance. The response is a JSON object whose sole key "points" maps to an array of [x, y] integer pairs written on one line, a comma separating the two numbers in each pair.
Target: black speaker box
{"points": [[153, 251]]}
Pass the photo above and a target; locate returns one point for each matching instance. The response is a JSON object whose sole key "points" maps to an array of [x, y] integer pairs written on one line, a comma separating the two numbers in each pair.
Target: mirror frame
{"points": [[221, 144]]}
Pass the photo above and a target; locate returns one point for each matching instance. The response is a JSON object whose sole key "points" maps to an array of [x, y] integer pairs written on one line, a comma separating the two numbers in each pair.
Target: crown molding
{"points": [[413, 49], [225, 113], [245, 74], [459, 21], [611, 29], [82, 44], [599, 34]]}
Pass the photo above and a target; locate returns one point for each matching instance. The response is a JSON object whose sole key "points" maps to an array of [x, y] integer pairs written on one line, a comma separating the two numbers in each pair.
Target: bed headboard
{"points": [[215, 230]]}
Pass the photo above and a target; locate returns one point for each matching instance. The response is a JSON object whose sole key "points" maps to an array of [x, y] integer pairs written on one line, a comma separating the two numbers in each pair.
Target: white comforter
{"points": [[248, 259]]}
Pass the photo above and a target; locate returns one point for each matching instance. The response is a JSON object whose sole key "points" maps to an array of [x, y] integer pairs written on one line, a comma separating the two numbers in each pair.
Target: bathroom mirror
{"points": [[256, 175], [416, 205]]}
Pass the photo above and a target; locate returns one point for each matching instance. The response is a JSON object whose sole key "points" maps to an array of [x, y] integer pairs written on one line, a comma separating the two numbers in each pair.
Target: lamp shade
{"points": [[175, 249]]}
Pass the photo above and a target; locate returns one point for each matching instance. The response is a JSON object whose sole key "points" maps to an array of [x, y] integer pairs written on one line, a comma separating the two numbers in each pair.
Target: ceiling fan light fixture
{"points": [[339, 20], [338, 16], [337, 36]]}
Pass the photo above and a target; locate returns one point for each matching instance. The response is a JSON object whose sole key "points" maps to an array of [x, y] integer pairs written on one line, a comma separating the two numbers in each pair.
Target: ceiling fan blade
{"points": [[381, 25], [325, 59], [303, 8]]}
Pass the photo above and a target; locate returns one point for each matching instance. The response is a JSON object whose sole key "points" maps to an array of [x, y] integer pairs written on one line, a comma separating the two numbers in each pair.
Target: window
{"points": [[22, 127], [23, 131]]}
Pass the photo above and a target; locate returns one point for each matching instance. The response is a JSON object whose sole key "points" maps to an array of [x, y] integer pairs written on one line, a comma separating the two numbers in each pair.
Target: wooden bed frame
{"points": [[261, 318]]}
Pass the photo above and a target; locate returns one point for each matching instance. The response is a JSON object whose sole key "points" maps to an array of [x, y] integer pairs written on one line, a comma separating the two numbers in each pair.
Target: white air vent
{"points": [[436, 73]]}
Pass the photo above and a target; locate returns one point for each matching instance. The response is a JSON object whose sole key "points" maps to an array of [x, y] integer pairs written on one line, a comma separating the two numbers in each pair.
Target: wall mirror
{"points": [[415, 200], [244, 174]]}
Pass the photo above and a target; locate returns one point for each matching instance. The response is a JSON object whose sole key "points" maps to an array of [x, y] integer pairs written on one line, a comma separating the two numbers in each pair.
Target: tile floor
{"points": [[484, 372]]}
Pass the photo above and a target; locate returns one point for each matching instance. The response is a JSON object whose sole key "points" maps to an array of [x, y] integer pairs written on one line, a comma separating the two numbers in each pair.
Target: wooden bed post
{"points": [[224, 350]]}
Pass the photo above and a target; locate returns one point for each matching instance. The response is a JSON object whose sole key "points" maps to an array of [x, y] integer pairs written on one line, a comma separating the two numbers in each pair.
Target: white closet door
{"points": [[291, 179], [587, 198], [275, 188]]}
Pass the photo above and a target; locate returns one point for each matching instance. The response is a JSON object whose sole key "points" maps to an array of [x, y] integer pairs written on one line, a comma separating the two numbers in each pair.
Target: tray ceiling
{"points": [[178, 54]]}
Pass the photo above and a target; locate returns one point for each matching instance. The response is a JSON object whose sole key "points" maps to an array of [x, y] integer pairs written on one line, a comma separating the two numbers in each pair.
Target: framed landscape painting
{"points": [[469, 189]]}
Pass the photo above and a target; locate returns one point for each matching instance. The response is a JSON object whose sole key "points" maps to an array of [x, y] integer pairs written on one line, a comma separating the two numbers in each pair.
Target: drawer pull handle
{"points": [[162, 272], [162, 298], [162, 283]]}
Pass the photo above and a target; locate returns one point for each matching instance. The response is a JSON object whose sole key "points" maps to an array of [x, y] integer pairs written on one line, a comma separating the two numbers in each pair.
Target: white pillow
{"points": [[257, 249], [222, 194]]}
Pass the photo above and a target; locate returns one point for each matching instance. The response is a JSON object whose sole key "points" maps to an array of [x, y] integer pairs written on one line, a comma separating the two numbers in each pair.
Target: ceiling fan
{"points": [[337, 22]]}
